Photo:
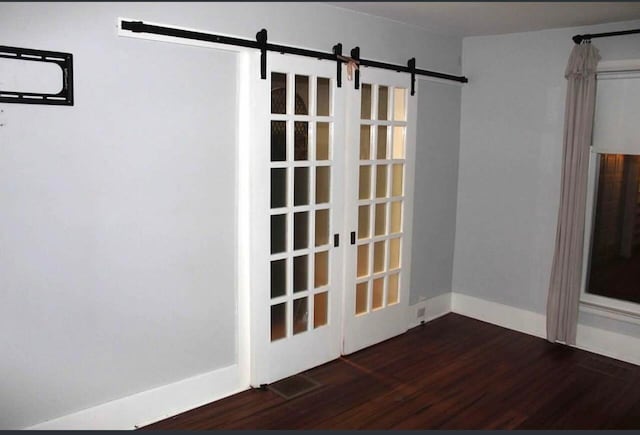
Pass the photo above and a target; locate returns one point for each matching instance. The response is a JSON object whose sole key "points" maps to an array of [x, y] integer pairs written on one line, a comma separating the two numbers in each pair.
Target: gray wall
{"points": [[117, 270], [117, 225], [510, 163], [434, 219]]}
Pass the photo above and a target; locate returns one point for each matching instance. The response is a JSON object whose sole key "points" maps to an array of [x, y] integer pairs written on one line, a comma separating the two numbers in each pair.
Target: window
{"points": [[614, 267], [612, 257]]}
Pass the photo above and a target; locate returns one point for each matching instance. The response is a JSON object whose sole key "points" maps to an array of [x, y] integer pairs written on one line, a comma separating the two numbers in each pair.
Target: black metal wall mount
{"points": [[337, 51], [261, 39], [355, 55], [412, 67], [264, 46], [63, 60]]}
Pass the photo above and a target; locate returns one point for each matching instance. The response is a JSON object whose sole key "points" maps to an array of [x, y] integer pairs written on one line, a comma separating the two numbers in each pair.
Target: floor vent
{"points": [[294, 386]]}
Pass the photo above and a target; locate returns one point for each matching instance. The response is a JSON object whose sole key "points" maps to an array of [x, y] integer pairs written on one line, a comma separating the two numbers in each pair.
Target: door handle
{"points": [[353, 237], [336, 240]]}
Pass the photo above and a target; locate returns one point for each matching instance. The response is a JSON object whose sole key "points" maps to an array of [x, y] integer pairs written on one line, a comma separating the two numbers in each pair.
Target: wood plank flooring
{"points": [[452, 373]]}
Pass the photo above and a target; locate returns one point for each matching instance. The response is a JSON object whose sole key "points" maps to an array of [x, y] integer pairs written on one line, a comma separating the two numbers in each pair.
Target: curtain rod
{"points": [[587, 37], [261, 44]]}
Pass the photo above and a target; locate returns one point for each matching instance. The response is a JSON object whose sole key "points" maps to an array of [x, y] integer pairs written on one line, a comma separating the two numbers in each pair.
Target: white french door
{"points": [[297, 284], [379, 208], [307, 303]]}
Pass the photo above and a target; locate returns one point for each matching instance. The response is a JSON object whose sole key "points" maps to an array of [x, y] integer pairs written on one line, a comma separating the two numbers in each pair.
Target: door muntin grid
{"points": [[381, 196], [302, 142]]}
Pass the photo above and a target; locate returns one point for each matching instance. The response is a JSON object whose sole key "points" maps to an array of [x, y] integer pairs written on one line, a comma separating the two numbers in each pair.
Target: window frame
{"points": [[590, 303]]}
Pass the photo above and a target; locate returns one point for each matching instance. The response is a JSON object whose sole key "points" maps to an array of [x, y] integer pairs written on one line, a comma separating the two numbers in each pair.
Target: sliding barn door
{"points": [[297, 290], [328, 161], [379, 207]]}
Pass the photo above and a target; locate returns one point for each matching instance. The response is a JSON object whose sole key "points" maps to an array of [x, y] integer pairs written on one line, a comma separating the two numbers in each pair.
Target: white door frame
{"points": [[245, 58]]}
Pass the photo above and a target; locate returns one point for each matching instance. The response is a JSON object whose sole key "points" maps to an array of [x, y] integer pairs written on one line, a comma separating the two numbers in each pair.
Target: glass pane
{"points": [[614, 269], [361, 297], [381, 150], [278, 233], [365, 101], [322, 141], [378, 256], [324, 93], [322, 227], [320, 309], [392, 289], [302, 95], [363, 261], [383, 102], [300, 273], [323, 184], [396, 189], [301, 230], [398, 142], [278, 187], [364, 182], [278, 93], [377, 301], [394, 254], [381, 219], [399, 104], [278, 141], [301, 140], [365, 142], [300, 315], [278, 278], [321, 270], [301, 186], [396, 217], [381, 181], [363, 222], [278, 321]]}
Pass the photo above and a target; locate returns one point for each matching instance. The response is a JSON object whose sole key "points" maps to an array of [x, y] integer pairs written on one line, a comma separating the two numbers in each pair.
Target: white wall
{"points": [[434, 215], [117, 227], [510, 163]]}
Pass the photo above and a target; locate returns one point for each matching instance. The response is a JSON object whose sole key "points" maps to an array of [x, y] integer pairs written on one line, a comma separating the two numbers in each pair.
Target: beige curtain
{"points": [[566, 272]]}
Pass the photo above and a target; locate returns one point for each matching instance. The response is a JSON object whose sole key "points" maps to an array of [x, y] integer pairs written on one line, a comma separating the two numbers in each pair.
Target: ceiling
{"points": [[492, 18]]}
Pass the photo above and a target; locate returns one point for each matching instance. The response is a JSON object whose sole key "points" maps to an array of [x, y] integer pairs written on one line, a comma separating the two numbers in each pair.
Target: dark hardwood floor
{"points": [[452, 373]]}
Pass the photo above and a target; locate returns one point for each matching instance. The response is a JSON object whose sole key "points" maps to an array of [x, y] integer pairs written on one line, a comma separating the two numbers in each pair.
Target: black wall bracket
{"points": [[355, 54], [63, 60], [337, 50], [412, 68], [261, 39]]}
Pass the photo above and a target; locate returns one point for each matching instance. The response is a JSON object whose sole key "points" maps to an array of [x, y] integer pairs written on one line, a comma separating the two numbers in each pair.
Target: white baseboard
{"points": [[596, 340], [152, 405], [433, 308], [607, 343], [166, 401], [502, 315]]}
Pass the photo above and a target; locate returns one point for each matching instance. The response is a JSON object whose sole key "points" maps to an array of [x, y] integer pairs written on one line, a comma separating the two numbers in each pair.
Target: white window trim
{"points": [[589, 303]]}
